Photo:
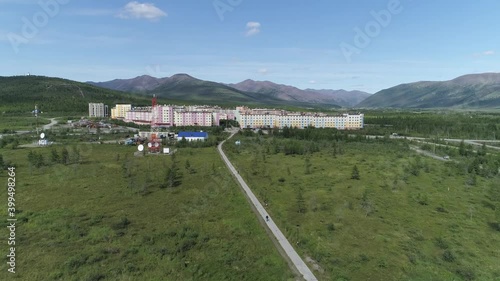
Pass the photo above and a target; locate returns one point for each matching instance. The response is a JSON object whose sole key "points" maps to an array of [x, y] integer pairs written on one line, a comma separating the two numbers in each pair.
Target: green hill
{"points": [[469, 91], [183, 86], [19, 94]]}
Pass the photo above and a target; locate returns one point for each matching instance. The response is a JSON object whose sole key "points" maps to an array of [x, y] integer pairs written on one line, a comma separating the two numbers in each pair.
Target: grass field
{"points": [[406, 218], [109, 218], [21, 123]]}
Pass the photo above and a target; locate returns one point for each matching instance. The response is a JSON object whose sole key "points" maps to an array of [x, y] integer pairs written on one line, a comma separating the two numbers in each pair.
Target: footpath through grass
{"points": [[406, 218], [113, 216]]}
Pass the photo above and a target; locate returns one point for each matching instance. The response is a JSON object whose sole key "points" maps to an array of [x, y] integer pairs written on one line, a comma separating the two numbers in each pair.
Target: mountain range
{"points": [[290, 93], [468, 91], [184, 86], [21, 93]]}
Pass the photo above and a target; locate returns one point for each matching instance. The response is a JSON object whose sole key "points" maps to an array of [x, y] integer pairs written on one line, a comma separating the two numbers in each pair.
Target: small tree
{"points": [[301, 206], [54, 156], [482, 151], [35, 159], [76, 155], [15, 144], [307, 165], [355, 173], [190, 168], [64, 156], [173, 178], [461, 149], [366, 203]]}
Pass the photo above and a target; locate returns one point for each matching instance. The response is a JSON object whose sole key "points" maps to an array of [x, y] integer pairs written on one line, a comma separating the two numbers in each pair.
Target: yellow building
{"points": [[261, 118], [120, 111]]}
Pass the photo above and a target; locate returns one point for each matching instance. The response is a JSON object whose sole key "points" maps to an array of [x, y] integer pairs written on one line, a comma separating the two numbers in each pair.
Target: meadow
{"points": [[97, 212], [27, 123], [374, 209]]}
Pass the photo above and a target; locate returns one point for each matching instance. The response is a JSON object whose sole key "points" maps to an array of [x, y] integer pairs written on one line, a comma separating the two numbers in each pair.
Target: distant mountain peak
{"points": [[182, 75], [482, 78], [467, 91], [291, 93]]}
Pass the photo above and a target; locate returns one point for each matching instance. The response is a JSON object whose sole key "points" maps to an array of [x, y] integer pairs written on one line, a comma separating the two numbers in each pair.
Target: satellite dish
{"points": [[140, 147], [42, 135], [157, 144], [150, 145]]}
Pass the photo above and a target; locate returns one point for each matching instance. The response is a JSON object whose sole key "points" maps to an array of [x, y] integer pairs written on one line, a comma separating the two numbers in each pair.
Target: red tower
{"points": [[154, 144]]}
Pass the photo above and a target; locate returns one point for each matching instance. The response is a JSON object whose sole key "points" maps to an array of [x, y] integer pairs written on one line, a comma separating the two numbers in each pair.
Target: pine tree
{"points": [[76, 156], [174, 176], [355, 173], [54, 156], [461, 149], [64, 156], [301, 206], [308, 165]]}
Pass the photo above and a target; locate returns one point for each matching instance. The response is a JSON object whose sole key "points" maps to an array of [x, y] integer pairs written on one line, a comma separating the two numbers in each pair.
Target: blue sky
{"points": [[366, 45]]}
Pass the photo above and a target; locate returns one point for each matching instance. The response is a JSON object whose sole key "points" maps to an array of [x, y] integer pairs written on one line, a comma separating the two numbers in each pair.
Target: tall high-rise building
{"points": [[98, 110]]}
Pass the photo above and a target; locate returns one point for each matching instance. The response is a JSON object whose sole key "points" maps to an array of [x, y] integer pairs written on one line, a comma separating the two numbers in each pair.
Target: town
{"points": [[207, 116], [250, 140]]}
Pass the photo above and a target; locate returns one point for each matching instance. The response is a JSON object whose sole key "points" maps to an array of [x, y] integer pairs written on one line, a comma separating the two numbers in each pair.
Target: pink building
{"points": [[139, 115], [170, 115]]}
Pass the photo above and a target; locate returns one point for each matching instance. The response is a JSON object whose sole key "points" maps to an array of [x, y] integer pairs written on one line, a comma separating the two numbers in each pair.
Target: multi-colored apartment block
{"points": [[271, 118]]}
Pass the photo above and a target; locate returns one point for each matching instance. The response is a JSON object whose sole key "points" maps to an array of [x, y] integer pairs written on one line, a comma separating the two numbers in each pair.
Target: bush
{"points": [[355, 173], [467, 274], [448, 256], [124, 222], [441, 243], [330, 227]]}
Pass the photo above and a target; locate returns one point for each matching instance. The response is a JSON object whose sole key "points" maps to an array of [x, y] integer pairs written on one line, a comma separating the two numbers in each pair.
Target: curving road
{"points": [[53, 122], [287, 249]]}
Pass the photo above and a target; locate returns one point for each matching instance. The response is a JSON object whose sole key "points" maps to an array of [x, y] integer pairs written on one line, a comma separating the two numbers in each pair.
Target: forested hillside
{"points": [[19, 94]]}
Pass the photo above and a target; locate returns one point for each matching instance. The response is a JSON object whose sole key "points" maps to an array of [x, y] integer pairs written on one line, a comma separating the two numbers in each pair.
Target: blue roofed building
{"points": [[192, 136]]}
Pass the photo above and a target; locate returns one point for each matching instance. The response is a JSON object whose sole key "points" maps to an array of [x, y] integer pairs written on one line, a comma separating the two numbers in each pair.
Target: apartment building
{"points": [[120, 111], [139, 115], [98, 110], [265, 118], [170, 115]]}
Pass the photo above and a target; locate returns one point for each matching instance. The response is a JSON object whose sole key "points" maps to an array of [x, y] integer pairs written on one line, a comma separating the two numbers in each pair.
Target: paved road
{"points": [[53, 121], [430, 154], [421, 138], [297, 261]]}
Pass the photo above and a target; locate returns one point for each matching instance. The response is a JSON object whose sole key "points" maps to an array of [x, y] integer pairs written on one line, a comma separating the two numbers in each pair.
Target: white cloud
{"points": [[136, 10], [253, 28], [485, 53], [312, 82], [263, 71]]}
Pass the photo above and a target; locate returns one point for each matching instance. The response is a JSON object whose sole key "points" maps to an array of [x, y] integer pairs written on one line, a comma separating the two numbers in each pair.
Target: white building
{"points": [[98, 110]]}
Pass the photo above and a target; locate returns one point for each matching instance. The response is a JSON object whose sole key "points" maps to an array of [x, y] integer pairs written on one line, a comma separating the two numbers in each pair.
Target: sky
{"points": [[366, 45]]}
